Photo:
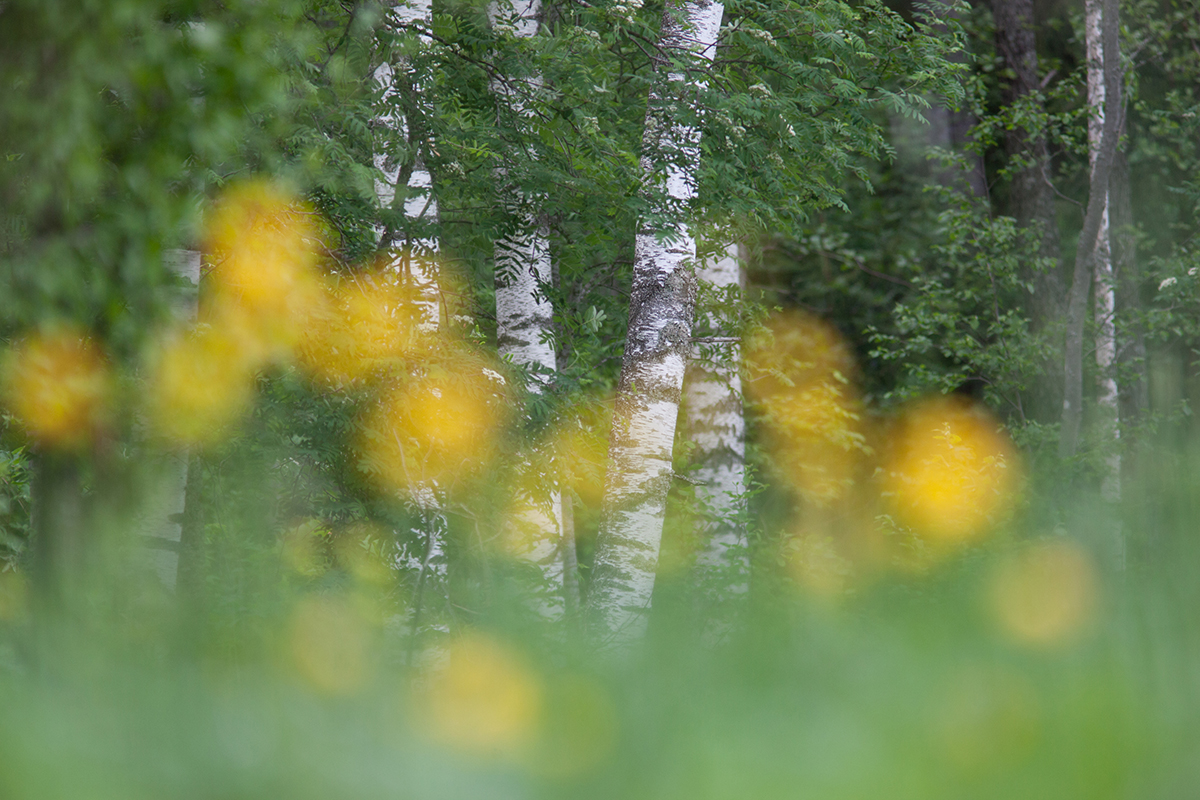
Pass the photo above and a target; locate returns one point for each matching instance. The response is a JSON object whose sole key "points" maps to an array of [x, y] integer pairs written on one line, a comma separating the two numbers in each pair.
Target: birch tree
{"points": [[1099, 59], [524, 317], [658, 341], [404, 184], [1090, 242], [716, 428], [162, 515]]}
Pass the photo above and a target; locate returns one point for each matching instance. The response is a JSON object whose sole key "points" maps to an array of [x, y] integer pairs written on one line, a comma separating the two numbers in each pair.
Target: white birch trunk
{"points": [[524, 317], [413, 257], [717, 428], [657, 345], [161, 520], [413, 254], [1107, 400]]}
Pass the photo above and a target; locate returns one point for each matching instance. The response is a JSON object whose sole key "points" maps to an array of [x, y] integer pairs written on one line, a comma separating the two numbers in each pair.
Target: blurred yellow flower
{"points": [[359, 552], [579, 450], [950, 473], [264, 282], [58, 386], [367, 322], [329, 644], [430, 429], [801, 377], [483, 701], [303, 548], [199, 384], [1044, 595]]}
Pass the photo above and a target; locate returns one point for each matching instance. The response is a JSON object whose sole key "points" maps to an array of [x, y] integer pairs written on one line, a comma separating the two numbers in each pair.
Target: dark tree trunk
{"points": [[57, 515], [1031, 198]]}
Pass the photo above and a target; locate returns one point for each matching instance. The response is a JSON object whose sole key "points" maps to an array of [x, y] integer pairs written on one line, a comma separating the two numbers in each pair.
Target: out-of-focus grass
{"points": [[912, 688]]}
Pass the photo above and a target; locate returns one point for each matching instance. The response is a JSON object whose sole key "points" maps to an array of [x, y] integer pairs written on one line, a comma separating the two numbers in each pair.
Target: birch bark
{"points": [[658, 341], [1104, 297], [524, 317], [1089, 239], [407, 184], [407, 180], [717, 428], [162, 514]]}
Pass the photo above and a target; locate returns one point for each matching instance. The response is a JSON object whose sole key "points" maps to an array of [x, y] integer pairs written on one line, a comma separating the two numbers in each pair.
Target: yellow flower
{"points": [[58, 386], [200, 383], [1045, 594], [264, 282], [366, 323], [484, 701], [431, 429], [801, 377], [329, 645], [950, 473]]}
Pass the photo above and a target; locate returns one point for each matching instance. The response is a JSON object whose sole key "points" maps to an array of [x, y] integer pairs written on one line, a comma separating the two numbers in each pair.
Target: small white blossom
{"points": [[1166, 282]]}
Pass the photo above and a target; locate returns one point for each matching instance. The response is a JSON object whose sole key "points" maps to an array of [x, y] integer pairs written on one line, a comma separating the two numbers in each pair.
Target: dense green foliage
{"points": [[1050, 656]]}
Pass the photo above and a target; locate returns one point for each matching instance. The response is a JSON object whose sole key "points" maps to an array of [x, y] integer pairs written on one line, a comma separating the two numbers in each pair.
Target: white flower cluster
{"points": [[759, 33], [1166, 282], [626, 9]]}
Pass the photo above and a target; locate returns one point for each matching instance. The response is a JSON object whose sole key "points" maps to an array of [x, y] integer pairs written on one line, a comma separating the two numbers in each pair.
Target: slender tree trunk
{"points": [[524, 317], [658, 342], [1104, 293], [1089, 240], [1031, 197], [162, 516], [717, 428], [57, 516], [571, 597], [1131, 355], [408, 186], [950, 130]]}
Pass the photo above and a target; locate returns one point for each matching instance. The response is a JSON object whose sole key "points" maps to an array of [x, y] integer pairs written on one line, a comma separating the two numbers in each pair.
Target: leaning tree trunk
{"points": [[1104, 297], [524, 317], [1089, 237], [716, 428], [1031, 197], [658, 341]]}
